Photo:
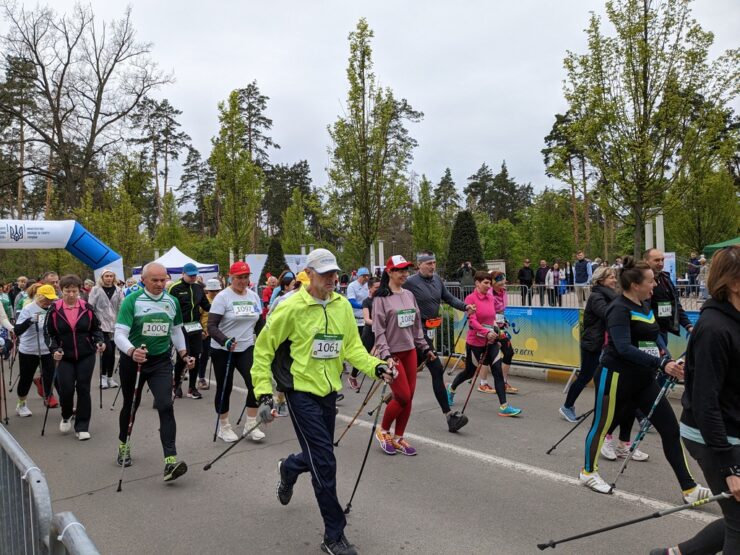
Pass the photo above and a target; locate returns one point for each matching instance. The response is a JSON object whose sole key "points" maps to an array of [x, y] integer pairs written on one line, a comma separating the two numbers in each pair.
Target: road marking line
{"points": [[654, 504]]}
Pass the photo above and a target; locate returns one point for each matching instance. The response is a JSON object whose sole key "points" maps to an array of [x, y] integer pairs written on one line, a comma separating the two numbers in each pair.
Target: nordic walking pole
{"points": [[51, 390], [100, 384], [387, 399], [14, 350], [657, 514], [372, 391], [644, 427], [131, 418], [452, 347], [475, 377], [5, 395], [362, 381], [234, 444], [244, 408], [118, 369], [580, 421], [223, 390], [348, 508]]}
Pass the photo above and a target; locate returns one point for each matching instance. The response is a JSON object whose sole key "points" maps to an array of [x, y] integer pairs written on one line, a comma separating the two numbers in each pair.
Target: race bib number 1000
{"points": [[326, 346], [155, 329]]}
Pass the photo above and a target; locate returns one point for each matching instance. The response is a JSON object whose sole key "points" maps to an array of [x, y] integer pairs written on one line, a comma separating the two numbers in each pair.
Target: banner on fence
{"points": [[551, 335]]}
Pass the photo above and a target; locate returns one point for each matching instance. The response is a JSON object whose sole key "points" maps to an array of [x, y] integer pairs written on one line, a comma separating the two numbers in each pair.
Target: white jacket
{"points": [[549, 279]]}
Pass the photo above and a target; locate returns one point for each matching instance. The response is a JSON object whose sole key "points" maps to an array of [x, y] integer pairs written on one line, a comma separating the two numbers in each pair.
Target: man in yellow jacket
{"points": [[302, 346]]}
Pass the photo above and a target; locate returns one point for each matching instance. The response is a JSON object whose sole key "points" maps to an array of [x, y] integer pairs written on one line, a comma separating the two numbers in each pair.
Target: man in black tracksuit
{"points": [[665, 304], [526, 279], [429, 292], [192, 298]]}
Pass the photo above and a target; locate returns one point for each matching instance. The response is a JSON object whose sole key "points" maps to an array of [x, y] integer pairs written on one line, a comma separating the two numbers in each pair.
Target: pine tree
{"points": [[425, 219], [464, 244], [275, 262], [252, 106], [196, 189]]}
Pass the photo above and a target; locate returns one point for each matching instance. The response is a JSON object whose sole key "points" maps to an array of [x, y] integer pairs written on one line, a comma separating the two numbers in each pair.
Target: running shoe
{"points": [[402, 446], [52, 402], [455, 421], [82, 436], [607, 449], [203, 384], [194, 394], [450, 395], [385, 441], [623, 450], [569, 413], [65, 425], [695, 494], [338, 547], [22, 410], [39, 386], [353, 383], [124, 455], [485, 388], [340, 397], [595, 482], [256, 434], [284, 490], [103, 382], [178, 392], [511, 389], [508, 410], [112, 383], [226, 432], [173, 469]]}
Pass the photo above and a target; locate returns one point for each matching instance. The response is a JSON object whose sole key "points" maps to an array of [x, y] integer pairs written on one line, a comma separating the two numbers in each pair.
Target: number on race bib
{"points": [[326, 346], [191, 327], [431, 334], [650, 347], [406, 318], [244, 309], [665, 310], [155, 329]]}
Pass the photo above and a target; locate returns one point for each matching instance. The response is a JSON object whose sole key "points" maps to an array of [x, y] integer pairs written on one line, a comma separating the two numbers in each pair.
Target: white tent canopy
{"points": [[174, 259]]}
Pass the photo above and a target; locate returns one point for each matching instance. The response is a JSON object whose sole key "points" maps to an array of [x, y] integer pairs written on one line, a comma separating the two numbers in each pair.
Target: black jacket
{"points": [[666, 292], [190, 296], [525, 275], [594, 318], [78, 341], [711, 399]]}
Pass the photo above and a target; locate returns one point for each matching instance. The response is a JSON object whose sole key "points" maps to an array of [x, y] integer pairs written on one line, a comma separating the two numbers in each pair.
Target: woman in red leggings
{"points": [[398, 333]]}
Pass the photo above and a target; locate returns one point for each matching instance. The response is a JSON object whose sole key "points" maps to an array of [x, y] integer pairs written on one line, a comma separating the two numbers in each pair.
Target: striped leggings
{"points": [[617, 393]]}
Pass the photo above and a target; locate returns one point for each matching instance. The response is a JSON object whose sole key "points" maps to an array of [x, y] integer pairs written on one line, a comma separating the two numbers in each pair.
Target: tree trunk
{"points": [[21, 163], [157, 202], [574, 203], [586, 207], [638, 234], [47, 208]]}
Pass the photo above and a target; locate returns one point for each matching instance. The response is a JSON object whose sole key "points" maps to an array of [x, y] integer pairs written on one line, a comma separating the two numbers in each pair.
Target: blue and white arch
{"points": [[64, 234]]}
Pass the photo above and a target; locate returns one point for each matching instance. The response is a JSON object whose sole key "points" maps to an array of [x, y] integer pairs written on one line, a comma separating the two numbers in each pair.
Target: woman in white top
{"points": [[105, 299], [233, 324], [555, 276]]}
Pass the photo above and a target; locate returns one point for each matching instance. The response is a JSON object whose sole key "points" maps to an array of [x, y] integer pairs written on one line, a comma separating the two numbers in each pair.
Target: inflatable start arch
{"points": [[64, 234]]}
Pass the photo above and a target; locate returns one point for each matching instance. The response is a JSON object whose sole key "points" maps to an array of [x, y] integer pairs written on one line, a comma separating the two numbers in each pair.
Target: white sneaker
{"points": [[595, 482], [607, 449], [256, 434], [65, 425], [694, 495], [104, 382], [82, 436], [112, 382], [226, 432], [623, 451], [22, 410]]}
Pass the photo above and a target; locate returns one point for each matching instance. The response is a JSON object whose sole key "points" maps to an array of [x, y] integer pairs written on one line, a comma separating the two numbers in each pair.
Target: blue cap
{"points": [[190, 269], [363, 272]]}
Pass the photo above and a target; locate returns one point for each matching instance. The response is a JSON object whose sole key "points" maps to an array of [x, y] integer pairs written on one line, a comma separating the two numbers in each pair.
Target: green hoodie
{"points": [[291, 344]]}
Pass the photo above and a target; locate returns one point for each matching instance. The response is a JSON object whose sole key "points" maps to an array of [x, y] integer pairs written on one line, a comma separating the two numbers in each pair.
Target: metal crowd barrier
{"points": [[25, 509]]}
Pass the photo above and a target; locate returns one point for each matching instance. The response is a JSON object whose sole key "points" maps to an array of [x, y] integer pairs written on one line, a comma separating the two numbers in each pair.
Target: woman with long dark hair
{"points": [[626, 379], [398, 333], [710, 422]]}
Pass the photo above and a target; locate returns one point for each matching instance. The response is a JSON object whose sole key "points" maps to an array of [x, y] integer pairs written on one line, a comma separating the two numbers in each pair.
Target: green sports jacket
{"points": [[287, 347]]}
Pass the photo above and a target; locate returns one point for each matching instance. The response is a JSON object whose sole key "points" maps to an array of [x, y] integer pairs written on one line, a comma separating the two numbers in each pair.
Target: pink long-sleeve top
{"points": [[485, 314], [397, 324]]}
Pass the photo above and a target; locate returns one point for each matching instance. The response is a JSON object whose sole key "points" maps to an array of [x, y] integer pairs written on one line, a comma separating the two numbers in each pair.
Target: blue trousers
{"points": [[313, 419]]}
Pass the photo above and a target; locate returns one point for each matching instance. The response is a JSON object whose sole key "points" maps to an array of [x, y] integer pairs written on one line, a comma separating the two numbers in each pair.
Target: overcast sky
{"points": [[487, 74]]}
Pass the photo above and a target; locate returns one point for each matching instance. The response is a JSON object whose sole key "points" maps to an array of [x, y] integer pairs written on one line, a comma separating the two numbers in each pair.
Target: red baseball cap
{"points": [[397, 262], [239, 268]]}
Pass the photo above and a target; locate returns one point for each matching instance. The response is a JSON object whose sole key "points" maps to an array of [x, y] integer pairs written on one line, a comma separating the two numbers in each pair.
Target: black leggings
{"points": [[438, 381], [721, 535], [491, 352], [27, 365], [618, 392], [194, 346], [75, 376], [589, 364], [157, 372], [203, 361], [108, 360], [507, 351], [368, 341], [242, 363]]}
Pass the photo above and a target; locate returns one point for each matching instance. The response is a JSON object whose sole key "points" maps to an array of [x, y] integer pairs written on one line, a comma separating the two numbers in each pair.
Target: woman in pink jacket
{"points": [[483, 342]]}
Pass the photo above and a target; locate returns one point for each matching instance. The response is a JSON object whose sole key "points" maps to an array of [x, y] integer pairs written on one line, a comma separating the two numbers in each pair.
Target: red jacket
{"points": [[78, 341]]}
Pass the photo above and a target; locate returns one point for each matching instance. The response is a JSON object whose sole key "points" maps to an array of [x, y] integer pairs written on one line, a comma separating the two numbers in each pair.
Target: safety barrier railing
{"points": [[68, 536], [25, 507]]}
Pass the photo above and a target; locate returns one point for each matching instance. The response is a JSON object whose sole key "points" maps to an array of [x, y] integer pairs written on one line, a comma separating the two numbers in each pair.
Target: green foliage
{"points": [[550, 234], [498, 196], [464, 244], [294, 232], [275, 263], [170, 232], [502, 240], [425, 222]]}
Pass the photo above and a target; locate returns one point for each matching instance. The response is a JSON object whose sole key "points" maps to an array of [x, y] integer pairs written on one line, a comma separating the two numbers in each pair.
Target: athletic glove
{"points": [[264, 412], [230, 343], [382, 370]]}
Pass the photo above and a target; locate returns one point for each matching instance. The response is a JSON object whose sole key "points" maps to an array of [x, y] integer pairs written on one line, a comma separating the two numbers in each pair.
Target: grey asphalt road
{"points": [[488, 489]]}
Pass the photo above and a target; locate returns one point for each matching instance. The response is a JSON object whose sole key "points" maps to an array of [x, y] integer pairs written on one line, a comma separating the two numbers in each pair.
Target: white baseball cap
{"points": [[322, 261], [213, 285]]}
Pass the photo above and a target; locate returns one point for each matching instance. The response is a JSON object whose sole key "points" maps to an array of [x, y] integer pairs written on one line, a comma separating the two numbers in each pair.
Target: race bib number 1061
{"points": [[326, 346]]}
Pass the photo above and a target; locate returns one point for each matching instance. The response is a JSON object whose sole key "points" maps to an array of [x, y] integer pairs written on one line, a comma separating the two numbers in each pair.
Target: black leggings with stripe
{"points": [[616, 393]]}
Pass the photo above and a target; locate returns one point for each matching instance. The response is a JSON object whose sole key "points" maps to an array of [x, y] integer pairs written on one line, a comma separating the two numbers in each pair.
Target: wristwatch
{"points": [[733, 470]]}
